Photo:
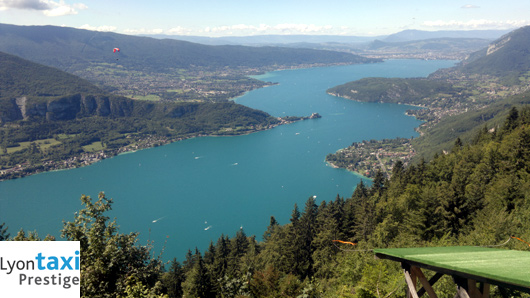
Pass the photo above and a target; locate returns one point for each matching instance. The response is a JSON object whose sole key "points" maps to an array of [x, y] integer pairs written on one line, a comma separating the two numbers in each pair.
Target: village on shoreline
{"points": [[88, 158], [366, 158]]}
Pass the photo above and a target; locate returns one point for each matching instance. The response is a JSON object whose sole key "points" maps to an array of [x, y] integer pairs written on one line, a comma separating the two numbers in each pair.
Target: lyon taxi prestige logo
{"points": [[40, 268]]}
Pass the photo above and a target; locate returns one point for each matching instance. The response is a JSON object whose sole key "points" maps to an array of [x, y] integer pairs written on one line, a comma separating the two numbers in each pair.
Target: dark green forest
{"points": [[394, 90], [476, 194], [72, 49]]}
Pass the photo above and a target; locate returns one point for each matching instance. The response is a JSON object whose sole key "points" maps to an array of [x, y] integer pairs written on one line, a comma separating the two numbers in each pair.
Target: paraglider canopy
{"points": [[116, 50]]}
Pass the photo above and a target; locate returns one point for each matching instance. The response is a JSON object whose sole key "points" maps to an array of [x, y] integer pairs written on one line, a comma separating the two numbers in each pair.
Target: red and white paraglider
{"points": [[116, 50]]}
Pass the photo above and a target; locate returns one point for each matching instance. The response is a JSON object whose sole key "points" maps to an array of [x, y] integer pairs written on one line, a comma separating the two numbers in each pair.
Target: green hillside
{"points": [[159, 69], [457, 101], [507, 56], [465, 126], [72, 49], [48, 116], [22, 77], [431, 44], [394, 90]]}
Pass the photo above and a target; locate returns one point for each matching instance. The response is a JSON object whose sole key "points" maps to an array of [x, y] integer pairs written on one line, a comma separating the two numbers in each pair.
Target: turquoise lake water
{"points": [[195, 190]]}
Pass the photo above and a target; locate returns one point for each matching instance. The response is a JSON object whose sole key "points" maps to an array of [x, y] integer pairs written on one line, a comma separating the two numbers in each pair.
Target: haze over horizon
{"points": [[235, 18]]}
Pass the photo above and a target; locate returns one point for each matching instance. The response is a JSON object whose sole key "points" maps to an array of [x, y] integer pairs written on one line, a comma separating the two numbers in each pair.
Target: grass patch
{"points": [[43, 144], [149, 97], [180, 91], [63, 136], [96, 146]]}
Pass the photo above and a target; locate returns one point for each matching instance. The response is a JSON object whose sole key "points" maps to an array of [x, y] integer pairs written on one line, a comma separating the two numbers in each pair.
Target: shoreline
{"points": [[150, 141], [348, 170]]}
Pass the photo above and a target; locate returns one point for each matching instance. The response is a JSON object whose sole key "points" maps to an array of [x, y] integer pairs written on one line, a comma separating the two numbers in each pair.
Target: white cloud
{"points": [[143, 31], [248, 30], [23, 4], [48, 7], [98, 28], [302, 28], [285, 29], [475, 24], [470, 6]]}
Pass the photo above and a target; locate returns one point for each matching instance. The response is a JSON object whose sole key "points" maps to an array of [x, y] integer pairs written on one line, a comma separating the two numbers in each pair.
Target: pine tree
{"points": [[328, 218], [378, 183], [511, 121], [306, 233], [273, 224], [209, 255], [222, 252], [238, 248], [4, 235], [198, 282], [364, 212], [295, 215], [173, 279], [189, 262]]}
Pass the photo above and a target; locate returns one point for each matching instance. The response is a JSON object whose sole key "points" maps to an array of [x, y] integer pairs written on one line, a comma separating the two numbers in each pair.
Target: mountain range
{"points": [[412, 35], [70, 49], [461, 100], [48, 116], [36, 94], [508, 55], [402, 36]]}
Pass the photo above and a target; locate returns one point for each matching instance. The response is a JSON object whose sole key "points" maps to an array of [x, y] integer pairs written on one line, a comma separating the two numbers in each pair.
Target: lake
{"points": [[191, 192]]}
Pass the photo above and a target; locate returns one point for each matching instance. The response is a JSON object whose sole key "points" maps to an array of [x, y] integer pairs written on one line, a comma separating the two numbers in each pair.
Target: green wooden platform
{"points": [[502, 267]]}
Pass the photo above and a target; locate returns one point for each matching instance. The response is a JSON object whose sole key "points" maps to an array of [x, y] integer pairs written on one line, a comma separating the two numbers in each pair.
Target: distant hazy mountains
{"points": [[406, 35], [270, 39], [70, 49], [411, 35], [404, 44]]}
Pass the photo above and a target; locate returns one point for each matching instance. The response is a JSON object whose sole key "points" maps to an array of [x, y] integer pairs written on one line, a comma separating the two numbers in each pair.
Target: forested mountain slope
{"points": [[507, 56], [477, 194], [48, 116], [460, 100], [159, 69], [71, 49]]}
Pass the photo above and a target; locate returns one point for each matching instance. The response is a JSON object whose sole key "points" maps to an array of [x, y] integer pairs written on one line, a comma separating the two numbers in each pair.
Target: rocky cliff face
{"points": [[494, 47], [80, 106], [64, 108]]}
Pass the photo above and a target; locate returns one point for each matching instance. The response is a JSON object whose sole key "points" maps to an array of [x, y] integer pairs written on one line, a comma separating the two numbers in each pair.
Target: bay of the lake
{"points": [[197, 189]]}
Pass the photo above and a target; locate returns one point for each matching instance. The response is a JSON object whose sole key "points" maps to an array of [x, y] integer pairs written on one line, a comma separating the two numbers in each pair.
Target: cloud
{"points": [[179, 31], [475, 24], [23, 4], [470, 6], [48, 7], [98, 28], [285, 29], [143, 31], [302, 28], [248, 30]]}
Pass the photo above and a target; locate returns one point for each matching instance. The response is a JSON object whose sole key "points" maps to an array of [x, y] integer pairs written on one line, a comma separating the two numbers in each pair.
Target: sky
{"points": [[216, 18]]}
